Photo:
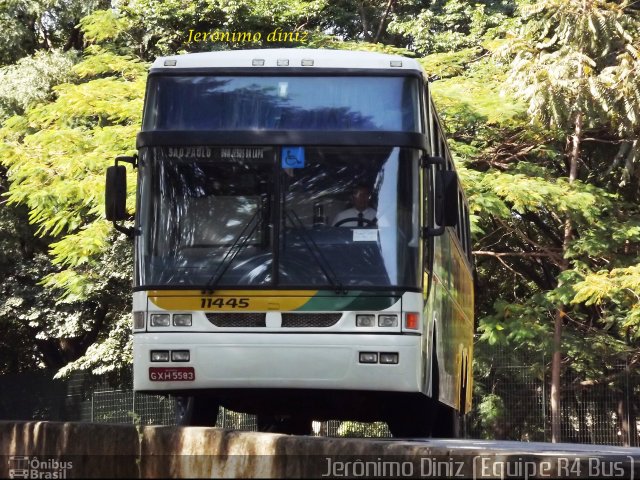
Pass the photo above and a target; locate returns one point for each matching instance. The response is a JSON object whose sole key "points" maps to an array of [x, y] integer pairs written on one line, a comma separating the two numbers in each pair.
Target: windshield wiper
{"points": [[236, 247], [316, 252]]}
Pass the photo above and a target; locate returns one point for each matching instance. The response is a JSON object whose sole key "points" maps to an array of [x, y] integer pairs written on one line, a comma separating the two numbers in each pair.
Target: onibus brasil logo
{"points": [[34, 467]]}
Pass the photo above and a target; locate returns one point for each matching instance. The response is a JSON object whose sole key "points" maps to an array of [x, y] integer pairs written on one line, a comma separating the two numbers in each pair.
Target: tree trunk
{"points": [[556, 361], [555, 376], [626, 413], [365, 21], [383, 20]]}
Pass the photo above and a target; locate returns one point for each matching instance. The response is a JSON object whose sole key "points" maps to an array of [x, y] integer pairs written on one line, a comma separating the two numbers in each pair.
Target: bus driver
{"points": [[360, 215]]}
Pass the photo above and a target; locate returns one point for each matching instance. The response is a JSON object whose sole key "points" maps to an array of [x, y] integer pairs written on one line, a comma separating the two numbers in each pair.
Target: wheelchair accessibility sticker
{"points": [[292, 157]]}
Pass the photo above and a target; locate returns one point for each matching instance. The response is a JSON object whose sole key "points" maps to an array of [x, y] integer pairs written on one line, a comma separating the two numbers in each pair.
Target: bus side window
{"points": [[459, 223], [463, 225], [433, 131], [435, 146], [467, 226], [425, 111]]}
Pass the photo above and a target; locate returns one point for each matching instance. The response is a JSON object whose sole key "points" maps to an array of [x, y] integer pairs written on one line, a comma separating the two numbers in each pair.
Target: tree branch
{"points": [[365, 23], [514, 254], [390, 5]]}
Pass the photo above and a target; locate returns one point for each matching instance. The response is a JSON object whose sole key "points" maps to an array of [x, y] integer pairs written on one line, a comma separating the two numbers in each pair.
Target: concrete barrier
{"points": [[83, 450]]}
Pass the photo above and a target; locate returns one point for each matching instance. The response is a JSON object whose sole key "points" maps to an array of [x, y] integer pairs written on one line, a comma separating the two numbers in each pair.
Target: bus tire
{"points": [[448, 423], [196, 411], [413, 418]]}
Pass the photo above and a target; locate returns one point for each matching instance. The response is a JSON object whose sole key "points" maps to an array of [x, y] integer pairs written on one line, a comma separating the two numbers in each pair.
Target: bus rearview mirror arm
{"points": [[115, 194], [445, 196]]}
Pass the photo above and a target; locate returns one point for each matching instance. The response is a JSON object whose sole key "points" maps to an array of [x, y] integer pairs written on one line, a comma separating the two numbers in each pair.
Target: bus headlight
{"points": [[388, 321], [365, 320], [182, 320], [160, 320]]}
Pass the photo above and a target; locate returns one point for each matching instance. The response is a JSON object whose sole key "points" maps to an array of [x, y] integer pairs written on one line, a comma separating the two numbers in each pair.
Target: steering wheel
{"points": [[368, 223]]}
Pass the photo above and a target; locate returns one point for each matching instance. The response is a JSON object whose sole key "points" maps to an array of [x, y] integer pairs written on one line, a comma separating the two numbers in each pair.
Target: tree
{"points": [[56, 154], [450, 25], [565, 56], [34, 25]]}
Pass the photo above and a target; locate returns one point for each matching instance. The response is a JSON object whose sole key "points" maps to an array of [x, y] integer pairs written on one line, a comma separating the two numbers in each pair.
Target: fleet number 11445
{"points": [[224, 302]]}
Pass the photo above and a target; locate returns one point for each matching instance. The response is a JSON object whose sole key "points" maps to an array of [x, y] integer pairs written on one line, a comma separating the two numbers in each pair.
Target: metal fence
{"points": [[511, 402], [122, 406]]}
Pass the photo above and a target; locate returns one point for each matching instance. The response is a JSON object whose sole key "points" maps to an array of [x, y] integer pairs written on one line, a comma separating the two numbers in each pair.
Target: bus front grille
{"points": [[310, 320], [238, 320]]}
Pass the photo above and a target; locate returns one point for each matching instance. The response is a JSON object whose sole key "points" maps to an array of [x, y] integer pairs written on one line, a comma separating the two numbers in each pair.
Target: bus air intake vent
{"points": [[310, 320], [237, 320]]}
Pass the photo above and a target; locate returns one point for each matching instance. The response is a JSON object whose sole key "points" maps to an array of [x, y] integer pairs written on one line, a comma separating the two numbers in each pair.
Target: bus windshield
{"points": [[282, 103], [243, 216]]}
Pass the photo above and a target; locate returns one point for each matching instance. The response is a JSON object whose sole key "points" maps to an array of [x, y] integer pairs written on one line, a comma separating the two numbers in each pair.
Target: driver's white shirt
{"points": [[369, 214]]}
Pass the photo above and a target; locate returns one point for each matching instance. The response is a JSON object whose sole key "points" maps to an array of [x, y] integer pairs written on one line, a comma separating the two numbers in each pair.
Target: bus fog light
{"points": [[138, 320], [389, 358], [159, 355], [368, 357], [182, 320], [160, 320], [365, 320], [388, 321], [181, 356]]}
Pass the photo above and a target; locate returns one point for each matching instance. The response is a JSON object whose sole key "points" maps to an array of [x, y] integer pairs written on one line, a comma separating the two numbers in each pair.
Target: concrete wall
{"points": [[85, 450]]}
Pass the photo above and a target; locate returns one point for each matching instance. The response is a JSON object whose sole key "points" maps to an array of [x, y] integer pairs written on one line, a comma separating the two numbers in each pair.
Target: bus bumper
{"points": [[268, 361]]}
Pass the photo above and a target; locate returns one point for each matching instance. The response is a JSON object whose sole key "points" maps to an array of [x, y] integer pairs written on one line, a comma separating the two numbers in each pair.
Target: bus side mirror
{"points": [[445, 188], [446, 207], [115, 194]]}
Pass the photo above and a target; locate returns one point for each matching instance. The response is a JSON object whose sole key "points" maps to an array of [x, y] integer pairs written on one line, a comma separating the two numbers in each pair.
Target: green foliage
{"points": [[103, 25], [514, 172], [31, 79], [449, 64], [362, 430], [474, 100], [319, 40], [518, 324], [566, 59], [492, 411], [154, 28], [56, 155], [617, 293], [452, 25], [32, 25], [58, 151]]}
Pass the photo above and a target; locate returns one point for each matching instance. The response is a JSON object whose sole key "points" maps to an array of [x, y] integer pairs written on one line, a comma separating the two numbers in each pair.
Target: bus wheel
{"points": [[196, 411], [414, 419], [447, 422], [289, 424]]}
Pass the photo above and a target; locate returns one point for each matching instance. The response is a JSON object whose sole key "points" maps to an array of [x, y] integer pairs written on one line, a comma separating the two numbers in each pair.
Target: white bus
{"points": [[302, 247]]}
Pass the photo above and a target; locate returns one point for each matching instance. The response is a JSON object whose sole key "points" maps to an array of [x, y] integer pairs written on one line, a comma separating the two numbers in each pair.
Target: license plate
{"points": [[172, 374]]}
